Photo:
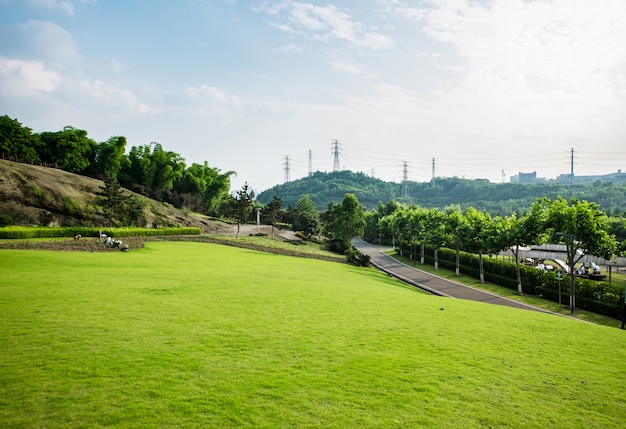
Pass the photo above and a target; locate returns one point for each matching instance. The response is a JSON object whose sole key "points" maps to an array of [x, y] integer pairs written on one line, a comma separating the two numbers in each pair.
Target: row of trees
{"points": [[580, 225], [149, 169]]}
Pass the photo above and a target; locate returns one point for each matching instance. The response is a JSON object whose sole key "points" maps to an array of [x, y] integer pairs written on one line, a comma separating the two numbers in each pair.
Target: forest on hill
{"points": [[495, 198]]}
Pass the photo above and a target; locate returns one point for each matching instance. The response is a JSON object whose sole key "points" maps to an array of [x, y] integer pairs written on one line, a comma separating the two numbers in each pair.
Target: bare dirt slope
{"points": [[32, 194]]}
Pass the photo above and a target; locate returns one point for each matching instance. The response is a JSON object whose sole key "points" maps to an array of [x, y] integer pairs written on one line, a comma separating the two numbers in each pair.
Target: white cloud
{"points": [[517, 51], [110, 96], [26, 78], [47, 42], [325, 23]]}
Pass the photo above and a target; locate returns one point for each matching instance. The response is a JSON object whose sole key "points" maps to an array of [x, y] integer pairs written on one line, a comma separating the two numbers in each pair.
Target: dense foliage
{"points": [[149, 170], [495, 198]]}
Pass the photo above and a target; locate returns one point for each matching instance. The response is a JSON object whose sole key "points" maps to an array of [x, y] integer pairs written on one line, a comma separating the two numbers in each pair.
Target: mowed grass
{"points": [[202, 335]]}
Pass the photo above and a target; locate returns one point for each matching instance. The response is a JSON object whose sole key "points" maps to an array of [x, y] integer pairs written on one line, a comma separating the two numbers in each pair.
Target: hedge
{"points": [[21, 232], [595, 296]]}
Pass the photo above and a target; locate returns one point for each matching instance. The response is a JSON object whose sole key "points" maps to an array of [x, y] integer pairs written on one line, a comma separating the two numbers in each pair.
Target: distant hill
{"points": [[495, 198], [36, 195]]}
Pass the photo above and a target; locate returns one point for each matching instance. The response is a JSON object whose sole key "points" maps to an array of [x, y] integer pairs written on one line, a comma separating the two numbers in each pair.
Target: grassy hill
{"points": [[495, 198], [240, 338], [37, 195]]}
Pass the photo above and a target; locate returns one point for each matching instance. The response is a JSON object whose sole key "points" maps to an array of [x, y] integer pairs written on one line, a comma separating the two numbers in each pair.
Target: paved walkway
{"points": [[432, 283]]}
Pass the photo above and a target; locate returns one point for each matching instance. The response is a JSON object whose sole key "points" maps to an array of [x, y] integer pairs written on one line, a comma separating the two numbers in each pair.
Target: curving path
{"points": [[432, 283]]}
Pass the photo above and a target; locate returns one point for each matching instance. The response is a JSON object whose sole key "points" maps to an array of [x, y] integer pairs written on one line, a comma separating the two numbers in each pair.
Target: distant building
{"points": [[524, 177], [618, 177]]}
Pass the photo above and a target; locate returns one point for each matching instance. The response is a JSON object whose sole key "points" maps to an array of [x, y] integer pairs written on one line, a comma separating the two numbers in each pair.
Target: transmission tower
{"points": [[335, 151], [433, 178], [405, 179], [571, 178], [286, 160], [310, 162]]}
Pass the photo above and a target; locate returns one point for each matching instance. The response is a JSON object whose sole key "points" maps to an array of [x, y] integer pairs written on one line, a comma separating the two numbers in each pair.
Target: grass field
{"points": [[203, 335]]}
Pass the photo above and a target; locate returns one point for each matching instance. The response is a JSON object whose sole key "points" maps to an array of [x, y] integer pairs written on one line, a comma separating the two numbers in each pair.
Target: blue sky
{"points": [[482, 89]]}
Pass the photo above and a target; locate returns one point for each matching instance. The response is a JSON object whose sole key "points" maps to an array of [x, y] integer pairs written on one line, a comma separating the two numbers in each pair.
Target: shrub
{"points": [[6, 220]]}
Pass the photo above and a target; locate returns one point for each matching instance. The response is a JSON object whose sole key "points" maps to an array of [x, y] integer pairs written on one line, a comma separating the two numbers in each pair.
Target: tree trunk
{"points": [[480, 265]]}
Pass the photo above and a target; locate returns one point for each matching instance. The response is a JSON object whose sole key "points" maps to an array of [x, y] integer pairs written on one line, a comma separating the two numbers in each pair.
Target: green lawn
{"points": [[202, 335]]}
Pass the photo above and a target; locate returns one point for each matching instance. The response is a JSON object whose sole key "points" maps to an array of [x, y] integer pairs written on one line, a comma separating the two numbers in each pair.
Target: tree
{"points": [[111, 198], [272, 210], [308, 218], [476, 234], [69, 149], [348, 220], [110, 157], [17, 142], [454, 224], [436, 234], [517, 233], [583, 228], [242, 205]]}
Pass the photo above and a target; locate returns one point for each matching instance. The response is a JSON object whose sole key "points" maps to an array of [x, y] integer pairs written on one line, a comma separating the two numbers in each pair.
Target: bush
{"points": [[355, 257], [6, 220]]}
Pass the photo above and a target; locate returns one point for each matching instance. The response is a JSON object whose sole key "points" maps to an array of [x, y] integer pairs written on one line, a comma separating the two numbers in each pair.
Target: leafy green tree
{"points": [[151, 170], [583, 228], [477, 235], [17, 142], [242, 205], [69, 149], [514, 233], [417, 228], [272, 211], [348, 219], [308, 218], [436, 234], [110, 157], [201, 187], [454, 226], [111, 198]]}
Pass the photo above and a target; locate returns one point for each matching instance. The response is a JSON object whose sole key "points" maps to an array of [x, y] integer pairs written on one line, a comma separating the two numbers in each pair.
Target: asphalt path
{"points": [[432, 283]]}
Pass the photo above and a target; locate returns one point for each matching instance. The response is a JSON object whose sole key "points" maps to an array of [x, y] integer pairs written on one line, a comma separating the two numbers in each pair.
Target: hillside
{"points": [[495, 198], [31, 194]]}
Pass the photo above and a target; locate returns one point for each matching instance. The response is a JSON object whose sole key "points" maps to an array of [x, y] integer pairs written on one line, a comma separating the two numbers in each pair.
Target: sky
{"points": [[479, 89]]}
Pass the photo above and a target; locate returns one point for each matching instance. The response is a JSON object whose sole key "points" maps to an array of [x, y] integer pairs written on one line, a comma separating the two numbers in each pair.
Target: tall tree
{"points": [[436, 234], [477, 232], [242, 205], [272, 210], [17, 142], [69, 149], [308, 218], [110, 157], [454, 225], [348, 220], [517, 233], [583, 228]]}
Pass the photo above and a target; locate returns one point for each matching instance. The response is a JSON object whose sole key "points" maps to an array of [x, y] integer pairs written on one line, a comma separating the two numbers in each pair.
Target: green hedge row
{"points": [[21, 232], [595, 296]]}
